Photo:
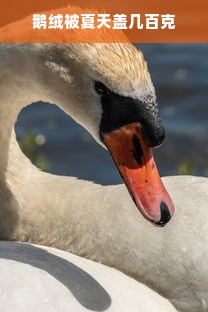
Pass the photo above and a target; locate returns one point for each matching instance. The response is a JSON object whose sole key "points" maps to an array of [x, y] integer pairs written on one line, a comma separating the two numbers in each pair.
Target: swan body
{"points": [[93, 221], [37, 278]]}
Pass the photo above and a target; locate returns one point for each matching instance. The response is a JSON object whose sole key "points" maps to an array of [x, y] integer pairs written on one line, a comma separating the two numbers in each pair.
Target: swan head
{"points": [[107, 88]]}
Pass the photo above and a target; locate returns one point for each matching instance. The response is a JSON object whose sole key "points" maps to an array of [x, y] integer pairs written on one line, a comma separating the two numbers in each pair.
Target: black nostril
{"points": [[165, 215]]}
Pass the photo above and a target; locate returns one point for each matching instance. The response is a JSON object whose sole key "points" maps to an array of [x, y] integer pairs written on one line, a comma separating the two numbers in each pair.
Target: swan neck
{"points": [[19, 87]]}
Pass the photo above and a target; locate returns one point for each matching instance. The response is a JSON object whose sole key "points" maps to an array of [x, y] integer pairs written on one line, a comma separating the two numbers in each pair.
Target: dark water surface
{"points": [[180, 76]]}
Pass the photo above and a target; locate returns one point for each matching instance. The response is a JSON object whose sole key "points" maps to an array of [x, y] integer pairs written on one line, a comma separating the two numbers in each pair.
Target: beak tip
{"points": [[165, 215]]}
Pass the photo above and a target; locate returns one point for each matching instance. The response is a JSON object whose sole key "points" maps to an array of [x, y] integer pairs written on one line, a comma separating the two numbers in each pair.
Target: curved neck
{"points": [[18, 88], [29, 197], [24, 80]]}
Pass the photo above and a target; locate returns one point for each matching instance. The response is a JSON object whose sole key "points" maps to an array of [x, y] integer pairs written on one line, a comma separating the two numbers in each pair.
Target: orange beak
{"points": [[136, 165]]}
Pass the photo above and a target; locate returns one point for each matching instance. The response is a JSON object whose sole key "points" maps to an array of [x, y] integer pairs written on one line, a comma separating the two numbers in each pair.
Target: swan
{"points": [[38, 278], [98, 222]]}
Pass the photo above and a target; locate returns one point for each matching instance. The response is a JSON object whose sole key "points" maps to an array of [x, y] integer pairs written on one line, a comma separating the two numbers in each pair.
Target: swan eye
{"points": [[100, 88]]}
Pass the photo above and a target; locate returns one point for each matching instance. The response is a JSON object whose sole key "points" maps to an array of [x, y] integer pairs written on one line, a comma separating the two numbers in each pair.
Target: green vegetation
{"points": [[189, 167], [30, 144]]}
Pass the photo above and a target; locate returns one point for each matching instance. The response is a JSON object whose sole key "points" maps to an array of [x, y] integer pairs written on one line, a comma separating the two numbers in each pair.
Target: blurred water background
{"points": [[180, 75]]}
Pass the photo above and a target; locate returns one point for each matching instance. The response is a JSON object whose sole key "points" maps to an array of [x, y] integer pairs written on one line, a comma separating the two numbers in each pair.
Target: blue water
{"points": [[180, 76]]}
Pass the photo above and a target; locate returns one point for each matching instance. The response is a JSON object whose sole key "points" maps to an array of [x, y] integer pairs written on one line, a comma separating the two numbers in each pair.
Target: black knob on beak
{"points": [[153, 133]]}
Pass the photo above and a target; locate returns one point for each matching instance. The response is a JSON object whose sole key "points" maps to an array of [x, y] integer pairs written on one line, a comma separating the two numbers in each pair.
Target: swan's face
{"points": [[112, 87], [112, 96]]}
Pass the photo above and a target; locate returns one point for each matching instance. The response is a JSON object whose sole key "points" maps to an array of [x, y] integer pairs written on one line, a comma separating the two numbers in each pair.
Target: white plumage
{"points": [[44, 279]]}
